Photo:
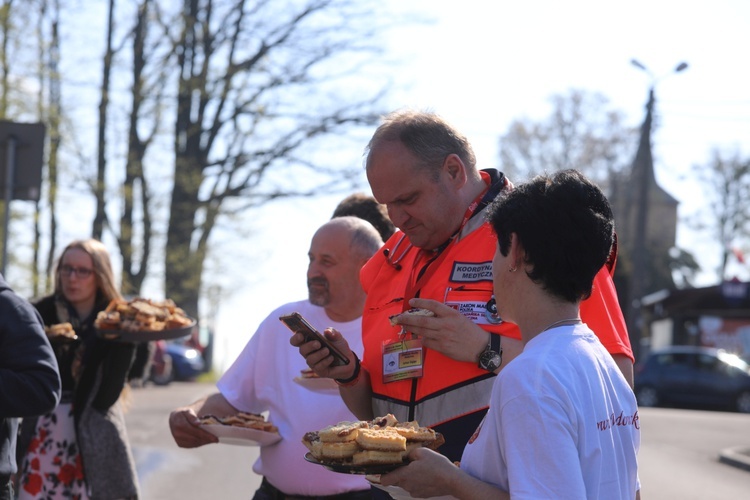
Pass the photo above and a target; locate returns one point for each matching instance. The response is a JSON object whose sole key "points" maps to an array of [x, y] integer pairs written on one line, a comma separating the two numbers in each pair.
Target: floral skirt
{"points": [[52, 466]]}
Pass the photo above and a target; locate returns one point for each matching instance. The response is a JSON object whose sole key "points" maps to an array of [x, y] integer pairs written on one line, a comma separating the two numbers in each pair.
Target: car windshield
{"points": [[734, 360]]}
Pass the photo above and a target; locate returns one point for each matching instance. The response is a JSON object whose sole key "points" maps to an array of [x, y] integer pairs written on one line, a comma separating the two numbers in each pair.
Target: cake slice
{"points": [[415, 311], [381, 440], [338, 451], [377, 457], [341, 432]]}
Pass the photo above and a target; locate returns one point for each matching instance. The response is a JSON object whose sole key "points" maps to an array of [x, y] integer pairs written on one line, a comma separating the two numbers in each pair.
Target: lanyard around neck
{"points": [[414, 285]]}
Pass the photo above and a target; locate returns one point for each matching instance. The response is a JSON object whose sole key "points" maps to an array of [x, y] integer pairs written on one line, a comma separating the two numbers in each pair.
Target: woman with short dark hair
{"points": [[563, 421]]}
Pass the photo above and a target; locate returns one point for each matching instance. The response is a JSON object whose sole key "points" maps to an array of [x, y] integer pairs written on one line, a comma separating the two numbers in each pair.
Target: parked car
{"points": [[695, 377], [175, 361]]}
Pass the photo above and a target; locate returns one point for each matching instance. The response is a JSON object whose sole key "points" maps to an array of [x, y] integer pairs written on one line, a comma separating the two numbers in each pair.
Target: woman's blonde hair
{"points": [[105, 278]]}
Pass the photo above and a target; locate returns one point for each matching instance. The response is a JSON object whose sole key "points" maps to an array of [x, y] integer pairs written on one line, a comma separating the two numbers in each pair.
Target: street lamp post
{"points": [[642, 172]]}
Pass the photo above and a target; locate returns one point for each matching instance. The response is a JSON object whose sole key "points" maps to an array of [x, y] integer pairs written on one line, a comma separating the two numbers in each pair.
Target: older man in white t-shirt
{"points": [[262, 377]]}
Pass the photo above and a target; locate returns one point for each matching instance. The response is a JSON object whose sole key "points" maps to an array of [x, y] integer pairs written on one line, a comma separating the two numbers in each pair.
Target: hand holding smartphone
{"points": [[296, 323]]}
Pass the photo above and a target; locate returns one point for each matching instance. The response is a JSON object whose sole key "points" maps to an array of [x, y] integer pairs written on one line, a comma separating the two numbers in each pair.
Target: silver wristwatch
{"points": [[492, 357]]}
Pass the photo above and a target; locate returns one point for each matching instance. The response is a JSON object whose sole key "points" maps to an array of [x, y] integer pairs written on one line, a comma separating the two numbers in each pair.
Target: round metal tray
{"points": [[145, 335]]}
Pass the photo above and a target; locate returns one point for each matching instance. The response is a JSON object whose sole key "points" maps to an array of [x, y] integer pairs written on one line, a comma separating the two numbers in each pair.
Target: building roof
{"points": [[731, 298]]}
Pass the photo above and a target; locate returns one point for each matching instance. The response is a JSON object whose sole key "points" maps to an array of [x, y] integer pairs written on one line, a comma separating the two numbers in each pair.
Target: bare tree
{"points": [[55, 137], [136, 191], [134, 195], [17, 50], [254, 90], [29, 55], [580, 132], [5, 27], [20, 50], [725, 182], [5, 30], [42, 76], [101, 159], [250, 102]]}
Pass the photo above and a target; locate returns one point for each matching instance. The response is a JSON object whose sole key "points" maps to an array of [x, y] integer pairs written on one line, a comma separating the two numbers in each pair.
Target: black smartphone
{"points": [[296, 323]]}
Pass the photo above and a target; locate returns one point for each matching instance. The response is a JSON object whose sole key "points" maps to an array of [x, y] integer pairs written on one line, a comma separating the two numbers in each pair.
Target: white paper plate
{"points": [[321, 385], [242, 436]]}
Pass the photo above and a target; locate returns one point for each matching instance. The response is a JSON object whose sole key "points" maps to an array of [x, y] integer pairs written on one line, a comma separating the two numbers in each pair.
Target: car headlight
{"points": [[191, 354]]}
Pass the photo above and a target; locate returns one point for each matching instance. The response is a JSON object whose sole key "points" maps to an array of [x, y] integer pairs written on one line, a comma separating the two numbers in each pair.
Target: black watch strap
{"points": [[494, 344]]}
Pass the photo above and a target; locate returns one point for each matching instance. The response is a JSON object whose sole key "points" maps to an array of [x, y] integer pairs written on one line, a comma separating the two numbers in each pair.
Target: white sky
{"points": [[483, 64]]}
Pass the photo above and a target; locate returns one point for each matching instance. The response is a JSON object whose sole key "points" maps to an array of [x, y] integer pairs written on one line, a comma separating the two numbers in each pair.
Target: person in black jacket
{"points": [[81, 449], [29, 382]]}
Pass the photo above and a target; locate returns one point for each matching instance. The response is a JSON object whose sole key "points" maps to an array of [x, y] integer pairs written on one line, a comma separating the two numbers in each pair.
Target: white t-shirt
{"points": [[261, 379], [563, 423]]}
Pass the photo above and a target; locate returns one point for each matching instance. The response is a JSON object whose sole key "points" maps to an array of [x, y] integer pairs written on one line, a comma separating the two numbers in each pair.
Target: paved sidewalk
{"points": [[166, 472]]}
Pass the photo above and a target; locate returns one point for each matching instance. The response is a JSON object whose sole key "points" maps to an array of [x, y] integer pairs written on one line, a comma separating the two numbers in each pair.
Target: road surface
{"points": [[679, 455]]}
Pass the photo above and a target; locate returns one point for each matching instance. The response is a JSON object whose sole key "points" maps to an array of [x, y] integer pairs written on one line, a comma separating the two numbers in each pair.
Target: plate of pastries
{"points": [[60, 332], [142, 319], [368, 447], [242, 428]]}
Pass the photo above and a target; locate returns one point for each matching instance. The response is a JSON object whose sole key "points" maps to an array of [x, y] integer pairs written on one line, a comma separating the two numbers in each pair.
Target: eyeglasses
{"points": [[80, 272]]}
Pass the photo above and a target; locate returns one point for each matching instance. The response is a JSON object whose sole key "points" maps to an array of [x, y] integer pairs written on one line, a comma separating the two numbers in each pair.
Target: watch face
{"points": [[490, 360]]}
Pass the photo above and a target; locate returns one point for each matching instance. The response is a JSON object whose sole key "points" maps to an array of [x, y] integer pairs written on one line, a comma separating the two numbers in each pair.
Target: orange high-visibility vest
{"points": [[451, 389]]}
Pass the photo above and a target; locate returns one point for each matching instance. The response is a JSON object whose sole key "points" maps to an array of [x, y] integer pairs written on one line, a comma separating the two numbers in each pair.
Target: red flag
{"points": [[738, 254]]}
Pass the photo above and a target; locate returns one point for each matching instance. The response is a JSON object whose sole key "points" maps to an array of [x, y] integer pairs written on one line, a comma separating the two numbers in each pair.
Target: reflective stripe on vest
{"points": [[441, 407]]}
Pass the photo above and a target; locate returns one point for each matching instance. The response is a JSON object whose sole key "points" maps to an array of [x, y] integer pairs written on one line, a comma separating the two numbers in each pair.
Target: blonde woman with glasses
{"points": [[81, 449]]}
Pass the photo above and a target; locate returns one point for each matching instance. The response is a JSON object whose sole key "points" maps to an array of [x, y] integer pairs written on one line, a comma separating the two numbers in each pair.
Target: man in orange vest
{"points": [[438, 369]]}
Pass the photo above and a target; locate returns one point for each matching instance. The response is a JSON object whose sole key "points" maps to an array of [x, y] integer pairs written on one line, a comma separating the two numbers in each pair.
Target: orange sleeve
{"points": [[602, 313]]}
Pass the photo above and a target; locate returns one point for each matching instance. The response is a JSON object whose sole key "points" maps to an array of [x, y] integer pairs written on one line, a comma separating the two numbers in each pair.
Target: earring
{"points": [[512, 269]]}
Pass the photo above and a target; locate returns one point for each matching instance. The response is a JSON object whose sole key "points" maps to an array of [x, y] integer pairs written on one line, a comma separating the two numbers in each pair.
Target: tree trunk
{"points": [[55, 106], [42, 76], [5, 25], [132, 279], [101, 163], [182, 267]]}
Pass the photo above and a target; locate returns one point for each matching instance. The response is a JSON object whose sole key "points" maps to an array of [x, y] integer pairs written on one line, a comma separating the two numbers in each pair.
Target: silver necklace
{"points": [[562, 321]]}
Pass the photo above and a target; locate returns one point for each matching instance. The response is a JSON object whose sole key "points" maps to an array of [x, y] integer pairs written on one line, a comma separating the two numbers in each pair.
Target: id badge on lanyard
{"points": [[402, 359]]}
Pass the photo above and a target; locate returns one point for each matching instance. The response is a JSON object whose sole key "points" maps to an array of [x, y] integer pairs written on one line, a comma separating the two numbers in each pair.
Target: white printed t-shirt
{"points": [[261, 379], [563, 423]]}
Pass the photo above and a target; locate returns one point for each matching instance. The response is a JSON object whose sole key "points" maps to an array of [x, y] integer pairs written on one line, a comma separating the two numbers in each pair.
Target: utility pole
{"points": [[642, 177]]}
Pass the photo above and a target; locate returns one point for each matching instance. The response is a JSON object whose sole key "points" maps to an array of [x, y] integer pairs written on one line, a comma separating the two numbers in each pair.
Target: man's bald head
{"points": [[338, 250], [365, 240]]}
